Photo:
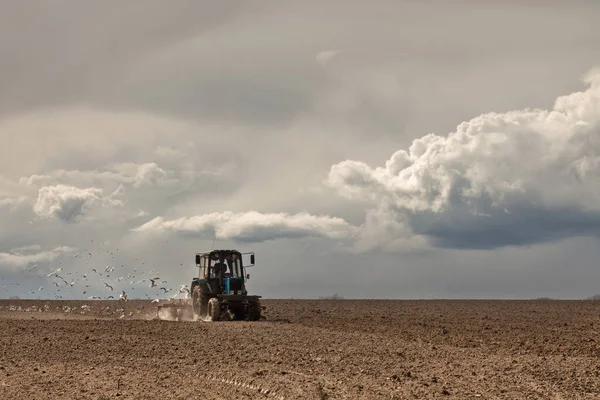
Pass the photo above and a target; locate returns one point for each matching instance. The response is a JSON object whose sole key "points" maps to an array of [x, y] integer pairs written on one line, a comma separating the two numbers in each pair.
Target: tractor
{"points": [[219, 292]]}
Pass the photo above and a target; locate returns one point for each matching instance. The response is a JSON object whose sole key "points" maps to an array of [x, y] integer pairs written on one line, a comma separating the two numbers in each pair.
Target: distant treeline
{"points": [[594, 297]]}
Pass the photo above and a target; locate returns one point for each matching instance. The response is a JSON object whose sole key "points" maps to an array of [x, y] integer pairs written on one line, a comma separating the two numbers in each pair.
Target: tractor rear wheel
{"points": [[196, 300], [214, 309], [199, 302], [253, 311]]}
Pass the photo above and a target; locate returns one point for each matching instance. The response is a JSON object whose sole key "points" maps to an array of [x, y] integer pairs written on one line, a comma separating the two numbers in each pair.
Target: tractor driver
{"points": [[219, 269], [230, 267]]}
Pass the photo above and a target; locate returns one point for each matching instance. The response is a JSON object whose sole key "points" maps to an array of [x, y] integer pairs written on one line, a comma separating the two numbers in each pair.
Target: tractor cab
{"points": [[224, 271]]}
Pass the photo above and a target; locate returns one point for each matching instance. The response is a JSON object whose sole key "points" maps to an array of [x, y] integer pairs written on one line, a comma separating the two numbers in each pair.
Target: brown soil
{"points": [[326, 349]]}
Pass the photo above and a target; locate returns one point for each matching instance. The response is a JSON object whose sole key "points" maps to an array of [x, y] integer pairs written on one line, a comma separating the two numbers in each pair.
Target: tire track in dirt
{"points": [[258, 389]]}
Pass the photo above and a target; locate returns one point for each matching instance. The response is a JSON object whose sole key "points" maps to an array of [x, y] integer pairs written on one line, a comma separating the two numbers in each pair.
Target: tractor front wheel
{"points": [[214, 309]]}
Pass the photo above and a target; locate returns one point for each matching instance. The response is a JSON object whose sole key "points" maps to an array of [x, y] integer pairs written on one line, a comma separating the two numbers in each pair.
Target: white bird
{"points": [[184, 289], [55, 272], [30, 268], [165, 290], [152, 284], [108, 286]]}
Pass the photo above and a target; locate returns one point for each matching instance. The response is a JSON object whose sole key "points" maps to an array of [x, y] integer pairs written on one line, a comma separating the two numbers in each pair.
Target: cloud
{"points": [[137, 175], [12, 202], [26, 249], [66, 203], [515, 178], [324, 57], [24, 255], [253, 226]]}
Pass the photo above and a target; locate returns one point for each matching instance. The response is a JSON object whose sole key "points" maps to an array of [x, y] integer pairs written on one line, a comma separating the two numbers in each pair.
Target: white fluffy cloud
{"points": [[66, 203], [253, 226], [30, 254], [500, 179]]}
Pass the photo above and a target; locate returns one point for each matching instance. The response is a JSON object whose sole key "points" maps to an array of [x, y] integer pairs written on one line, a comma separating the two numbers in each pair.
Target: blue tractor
{"points": [[219, 292]]}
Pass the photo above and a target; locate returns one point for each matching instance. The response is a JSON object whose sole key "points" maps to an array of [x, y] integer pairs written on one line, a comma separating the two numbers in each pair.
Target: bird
{"points": [[32, 267], [108, 286], [184, 289], [55, 272]]}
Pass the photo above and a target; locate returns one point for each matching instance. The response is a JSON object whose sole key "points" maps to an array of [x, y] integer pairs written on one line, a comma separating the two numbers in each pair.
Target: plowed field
{"points": [[325, 349]]}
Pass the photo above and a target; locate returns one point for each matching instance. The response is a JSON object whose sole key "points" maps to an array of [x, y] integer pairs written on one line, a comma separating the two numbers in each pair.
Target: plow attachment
{"points": [[176, 310], [182, 310]]}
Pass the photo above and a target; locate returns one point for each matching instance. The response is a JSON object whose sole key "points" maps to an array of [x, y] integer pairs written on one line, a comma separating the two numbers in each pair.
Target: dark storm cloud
{"points": [[522, 227]]}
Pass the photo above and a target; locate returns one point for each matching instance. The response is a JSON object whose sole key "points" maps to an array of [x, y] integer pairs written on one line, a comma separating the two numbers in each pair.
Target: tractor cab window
{"points": [[234, 267], [203, 266], [216, 269]]}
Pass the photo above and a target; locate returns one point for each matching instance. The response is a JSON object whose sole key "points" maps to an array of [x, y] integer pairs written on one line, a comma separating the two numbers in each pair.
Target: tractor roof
{"points": [[219, 252]]}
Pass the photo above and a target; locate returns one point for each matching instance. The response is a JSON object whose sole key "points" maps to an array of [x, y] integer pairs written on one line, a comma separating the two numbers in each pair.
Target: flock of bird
{"points": [[136, 282]]}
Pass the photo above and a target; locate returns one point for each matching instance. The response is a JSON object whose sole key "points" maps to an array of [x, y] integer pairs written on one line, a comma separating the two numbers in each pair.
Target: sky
{"points": [[381, 149]]}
